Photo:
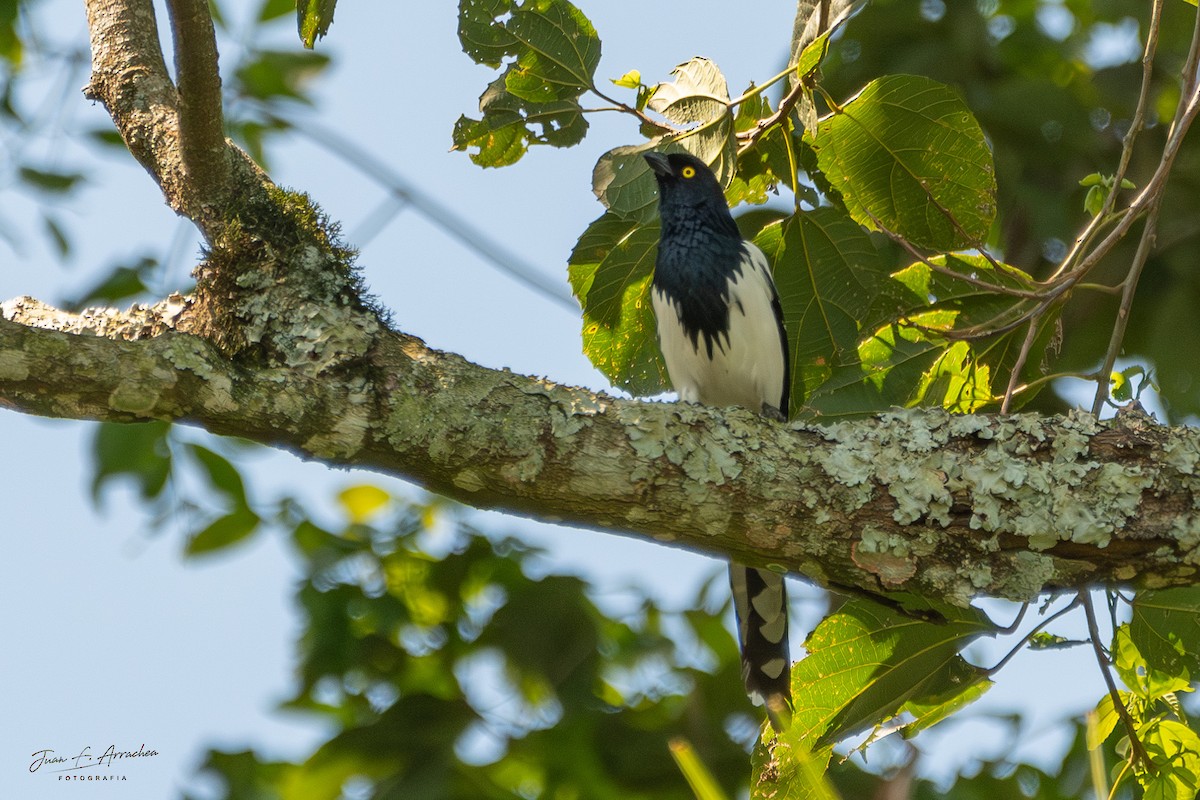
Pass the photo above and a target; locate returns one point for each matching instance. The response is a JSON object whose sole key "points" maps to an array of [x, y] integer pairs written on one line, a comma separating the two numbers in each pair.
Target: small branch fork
{"points": [[1135, 744]]}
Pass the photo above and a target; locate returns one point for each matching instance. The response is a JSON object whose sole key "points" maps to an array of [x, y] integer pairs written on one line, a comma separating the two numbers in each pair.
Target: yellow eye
{"points": [[688, 172]]}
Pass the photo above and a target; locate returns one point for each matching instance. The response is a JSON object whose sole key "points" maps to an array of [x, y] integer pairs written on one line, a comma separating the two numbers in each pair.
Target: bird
{"points": [[722, 336]]}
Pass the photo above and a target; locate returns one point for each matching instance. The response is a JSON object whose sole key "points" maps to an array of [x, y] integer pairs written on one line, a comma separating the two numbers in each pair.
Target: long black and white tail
{"points": [[760, 602]]}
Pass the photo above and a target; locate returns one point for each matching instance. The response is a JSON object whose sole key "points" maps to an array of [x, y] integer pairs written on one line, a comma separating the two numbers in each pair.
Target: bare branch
{"points": [[129, 76], [201, 122]]}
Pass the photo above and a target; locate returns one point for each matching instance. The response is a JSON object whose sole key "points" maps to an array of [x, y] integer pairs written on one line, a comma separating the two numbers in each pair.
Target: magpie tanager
{"points": [[720, 328]]}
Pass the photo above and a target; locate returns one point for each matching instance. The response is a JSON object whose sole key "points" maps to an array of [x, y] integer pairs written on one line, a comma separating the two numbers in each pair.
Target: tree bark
{"points": [[918, 501], [278, 346]]}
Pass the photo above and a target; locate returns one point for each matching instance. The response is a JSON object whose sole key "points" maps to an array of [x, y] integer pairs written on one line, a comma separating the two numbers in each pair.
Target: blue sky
{"points": [[111, 637]]}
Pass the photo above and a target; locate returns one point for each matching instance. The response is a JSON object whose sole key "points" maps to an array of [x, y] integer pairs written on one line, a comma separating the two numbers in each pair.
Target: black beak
{"points": [[658, 162]]}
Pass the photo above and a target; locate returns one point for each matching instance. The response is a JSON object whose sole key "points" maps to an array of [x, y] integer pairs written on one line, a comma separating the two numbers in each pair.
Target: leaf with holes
{"points": [[313, 18], [610, 271], [509, 126], [1166, 630], [552, 52], [907, 154]]}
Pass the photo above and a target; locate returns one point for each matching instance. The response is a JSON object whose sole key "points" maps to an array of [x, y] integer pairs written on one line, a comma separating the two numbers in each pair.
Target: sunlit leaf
{"points": [[1106, 719], [552, 51], [610, 272], [1174, 749], [1166, 630], [1144, 680], [313, 18], [363, 501], [508, 126], [908, 152], [630, 80], [865, 663], [699, 778]]}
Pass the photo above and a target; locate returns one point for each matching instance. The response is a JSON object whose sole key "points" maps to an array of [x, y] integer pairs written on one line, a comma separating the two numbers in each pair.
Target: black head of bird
{"points": [[689, 195]]}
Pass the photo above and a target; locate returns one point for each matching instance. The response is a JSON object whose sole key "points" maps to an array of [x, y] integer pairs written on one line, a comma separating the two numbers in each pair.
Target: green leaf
{"points": [[765, 164], [610, 270], [624, 182], [138, 450], [509, 126], [828, 274], [313, 18], [11, 48], [865, 663], [122, 283], [556, 53], [274, 9], [1050, 641], [1174, 749], [630, 80], [930, 710], [966, 290], [222, 475], [913, 361], [57, 235], [1165, 628], [1146, 681], [816, 20], [786, 771], [50, 181], [280, 74], [556, 47], [1107, 718], [704, 786], [908, 152], [223, 532], [812, 56], [698, 98]]}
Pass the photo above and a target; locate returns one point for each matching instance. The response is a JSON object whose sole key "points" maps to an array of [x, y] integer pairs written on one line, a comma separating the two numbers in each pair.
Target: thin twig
{"points": [[1083, 376], [1135, 126], [1016, 623], [1027, 637], [1015, 375], [766, 123], [1027, 294], [637, 112], [1135, 744], [1145, 246]]}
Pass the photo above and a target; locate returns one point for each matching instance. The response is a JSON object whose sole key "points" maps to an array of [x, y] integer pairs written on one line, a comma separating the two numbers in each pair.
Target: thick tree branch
{"points": [[915, 501]]}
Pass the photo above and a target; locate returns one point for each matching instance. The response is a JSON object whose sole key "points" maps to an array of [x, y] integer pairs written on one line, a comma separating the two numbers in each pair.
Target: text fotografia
{"points": [[76, 766]]}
